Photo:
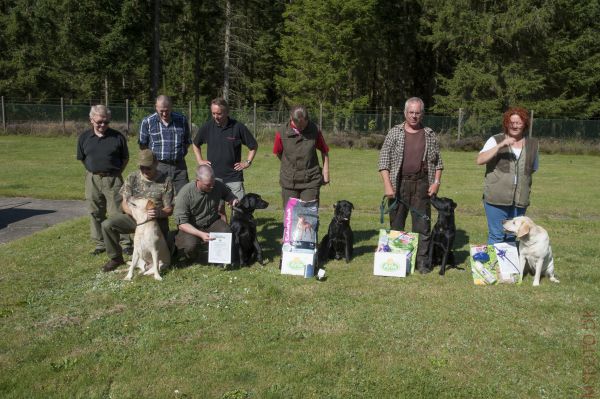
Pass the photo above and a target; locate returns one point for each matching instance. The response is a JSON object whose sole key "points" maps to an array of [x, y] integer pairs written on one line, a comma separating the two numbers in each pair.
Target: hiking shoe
{"points": [[128, 251], [113, 264], [424, 270], [98, 251]]}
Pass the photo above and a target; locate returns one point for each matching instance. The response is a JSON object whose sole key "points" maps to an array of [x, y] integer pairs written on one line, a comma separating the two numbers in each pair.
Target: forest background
{"points": [[350, 55]]}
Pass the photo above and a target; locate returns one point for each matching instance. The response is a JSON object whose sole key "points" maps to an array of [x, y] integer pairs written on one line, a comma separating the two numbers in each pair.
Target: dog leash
{"points": [[387, 209], [144, 222]]}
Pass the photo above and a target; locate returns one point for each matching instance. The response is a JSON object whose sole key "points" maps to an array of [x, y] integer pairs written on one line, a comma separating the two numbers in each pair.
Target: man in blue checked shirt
{"points": [[167, 135]]}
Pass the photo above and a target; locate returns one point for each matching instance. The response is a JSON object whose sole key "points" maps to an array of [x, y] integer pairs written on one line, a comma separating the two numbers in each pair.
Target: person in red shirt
{"points": [[301, 176]]}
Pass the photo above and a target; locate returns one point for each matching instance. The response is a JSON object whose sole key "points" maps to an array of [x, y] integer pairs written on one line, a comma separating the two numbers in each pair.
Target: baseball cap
{"points": [[146, 158]]}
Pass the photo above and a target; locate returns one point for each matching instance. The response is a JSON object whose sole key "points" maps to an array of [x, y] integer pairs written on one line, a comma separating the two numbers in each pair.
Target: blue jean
{"points": [[495, 215]]}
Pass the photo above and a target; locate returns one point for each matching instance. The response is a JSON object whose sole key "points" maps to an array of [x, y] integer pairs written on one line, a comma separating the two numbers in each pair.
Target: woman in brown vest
{"points": [[296, 146], [510, 159]]}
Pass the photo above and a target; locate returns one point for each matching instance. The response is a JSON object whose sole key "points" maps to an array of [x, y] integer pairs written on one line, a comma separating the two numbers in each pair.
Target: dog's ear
{"points": [[150, 204], [523, 229], [454, 205], [351, 205], [335, 205]]}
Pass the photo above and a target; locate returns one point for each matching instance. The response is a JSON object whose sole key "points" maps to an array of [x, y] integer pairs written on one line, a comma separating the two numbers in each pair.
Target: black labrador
{"points": [[442, 237], [339, 240], [243, 228]]}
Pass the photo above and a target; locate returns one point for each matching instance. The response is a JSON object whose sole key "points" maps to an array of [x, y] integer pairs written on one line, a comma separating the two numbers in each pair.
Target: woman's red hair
{"points": [[521, 112]]}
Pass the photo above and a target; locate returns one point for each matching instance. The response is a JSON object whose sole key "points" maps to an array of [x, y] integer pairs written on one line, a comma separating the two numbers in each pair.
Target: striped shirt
{"points": [[168, 142], [392, 152]]}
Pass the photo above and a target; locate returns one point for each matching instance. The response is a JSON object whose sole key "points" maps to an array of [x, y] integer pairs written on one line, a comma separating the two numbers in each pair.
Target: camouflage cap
{"points": [[146, 158]]}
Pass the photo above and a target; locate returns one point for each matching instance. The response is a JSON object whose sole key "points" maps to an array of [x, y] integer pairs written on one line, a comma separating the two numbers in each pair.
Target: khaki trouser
{"points": [[307, 194], [103, 198], [191, 246], [237, 188]]}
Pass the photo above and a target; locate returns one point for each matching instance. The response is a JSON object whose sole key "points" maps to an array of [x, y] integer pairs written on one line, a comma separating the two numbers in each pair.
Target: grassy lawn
{"points": [[69, 330]]}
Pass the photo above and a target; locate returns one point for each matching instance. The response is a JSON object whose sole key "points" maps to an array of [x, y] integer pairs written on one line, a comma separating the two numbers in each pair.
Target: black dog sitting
{"points": [[339, 240], [444, 232], [243, 228]]}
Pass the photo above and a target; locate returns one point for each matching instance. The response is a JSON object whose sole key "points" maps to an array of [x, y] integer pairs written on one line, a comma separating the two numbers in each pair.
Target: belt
{"points": [[414, 176], [169, 162], [106, 174]]}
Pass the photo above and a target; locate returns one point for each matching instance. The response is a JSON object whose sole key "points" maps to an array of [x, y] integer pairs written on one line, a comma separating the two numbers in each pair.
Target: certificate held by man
{"points": [[219, 248]]}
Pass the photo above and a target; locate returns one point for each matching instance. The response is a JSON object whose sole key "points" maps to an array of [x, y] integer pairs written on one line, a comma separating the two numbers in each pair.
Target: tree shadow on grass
{"points": [[10, 216], [270, 233], [367, 236], [461, 239], [358, 250]]}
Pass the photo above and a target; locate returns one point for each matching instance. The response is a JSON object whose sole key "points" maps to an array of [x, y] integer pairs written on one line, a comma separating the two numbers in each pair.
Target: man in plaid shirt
{"points": [[167, 135], [411, 166]]}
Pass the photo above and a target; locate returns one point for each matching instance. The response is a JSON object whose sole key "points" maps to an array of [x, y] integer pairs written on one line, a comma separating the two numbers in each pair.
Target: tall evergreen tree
{"points": [[318, 51]]}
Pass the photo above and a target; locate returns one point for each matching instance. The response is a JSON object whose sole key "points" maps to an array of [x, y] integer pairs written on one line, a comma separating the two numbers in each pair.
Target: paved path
{"points": [[20, 217]]}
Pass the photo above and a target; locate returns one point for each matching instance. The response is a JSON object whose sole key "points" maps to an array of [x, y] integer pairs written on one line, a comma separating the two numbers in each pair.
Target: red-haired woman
{"points": [[510, 160]]}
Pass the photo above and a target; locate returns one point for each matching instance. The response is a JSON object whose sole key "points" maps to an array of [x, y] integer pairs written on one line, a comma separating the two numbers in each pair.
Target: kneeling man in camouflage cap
{"points": [[147, 182]]}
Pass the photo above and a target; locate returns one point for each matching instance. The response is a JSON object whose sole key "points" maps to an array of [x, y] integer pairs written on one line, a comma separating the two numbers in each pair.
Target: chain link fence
{"points": [[61, 118]]}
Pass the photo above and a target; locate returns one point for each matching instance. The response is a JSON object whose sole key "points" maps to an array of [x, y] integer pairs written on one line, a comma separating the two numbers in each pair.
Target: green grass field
{"points": [[69, 330]]}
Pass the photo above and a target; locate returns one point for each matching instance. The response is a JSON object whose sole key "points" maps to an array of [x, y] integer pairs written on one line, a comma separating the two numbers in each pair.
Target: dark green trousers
{"points": [[104, 200], [123, 224]]}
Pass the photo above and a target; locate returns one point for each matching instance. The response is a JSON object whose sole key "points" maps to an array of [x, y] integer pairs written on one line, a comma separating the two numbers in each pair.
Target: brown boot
{"points": [[113, 264]]}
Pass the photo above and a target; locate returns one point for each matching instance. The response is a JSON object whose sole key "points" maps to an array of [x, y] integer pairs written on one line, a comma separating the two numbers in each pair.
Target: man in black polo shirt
{"points": [[224, 137], [104, 153]]}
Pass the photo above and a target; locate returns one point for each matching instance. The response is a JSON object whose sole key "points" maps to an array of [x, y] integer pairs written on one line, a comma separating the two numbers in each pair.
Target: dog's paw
{"points": [[536, 283], [554, 280], [263, 262], [157, 277], [128, 277]]}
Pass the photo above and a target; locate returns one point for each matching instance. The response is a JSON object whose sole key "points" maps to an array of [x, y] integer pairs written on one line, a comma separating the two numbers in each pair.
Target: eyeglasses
{"points": [[412, 113], [100, 123]]}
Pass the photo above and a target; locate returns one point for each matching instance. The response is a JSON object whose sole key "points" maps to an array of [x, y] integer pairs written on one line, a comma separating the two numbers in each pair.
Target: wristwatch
{"points": [[249, 162]]}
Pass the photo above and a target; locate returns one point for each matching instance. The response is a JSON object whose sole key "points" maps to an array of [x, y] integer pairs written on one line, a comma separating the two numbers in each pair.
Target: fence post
{"points": [[3, 116], [390, 119], [254, 119], [531, 124], [321, 116], [106, 91], [62, 114], [127, 117], [190, 116], [460, 120]]}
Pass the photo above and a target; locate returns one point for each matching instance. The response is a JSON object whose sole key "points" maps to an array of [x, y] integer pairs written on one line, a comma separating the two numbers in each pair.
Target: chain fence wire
{"points": [[264, 122]]}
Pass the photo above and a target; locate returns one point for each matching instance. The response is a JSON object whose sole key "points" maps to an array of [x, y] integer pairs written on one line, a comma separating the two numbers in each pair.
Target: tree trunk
{"points": [[156, 50], [226, 56]]}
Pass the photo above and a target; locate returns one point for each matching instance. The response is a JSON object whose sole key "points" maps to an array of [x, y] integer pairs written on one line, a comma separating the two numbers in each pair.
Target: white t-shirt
{"points": [[491, 143]]}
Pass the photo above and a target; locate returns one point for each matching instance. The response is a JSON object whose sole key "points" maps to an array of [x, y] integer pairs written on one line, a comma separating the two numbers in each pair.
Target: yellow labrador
{"points": [[149, 245], [534, 247]]}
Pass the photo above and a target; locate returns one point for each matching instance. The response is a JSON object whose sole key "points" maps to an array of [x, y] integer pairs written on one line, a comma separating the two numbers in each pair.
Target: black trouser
{"points": [[413, 190]]}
